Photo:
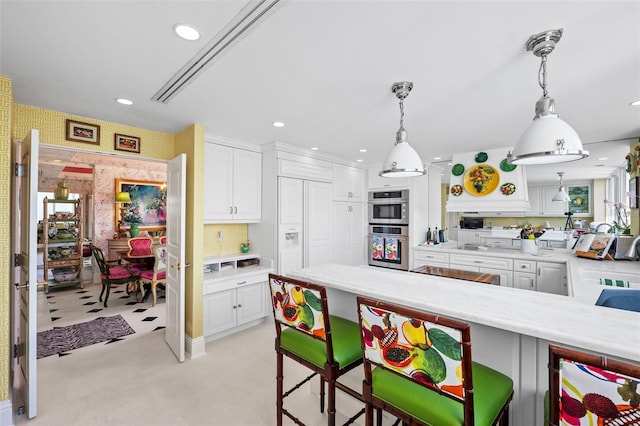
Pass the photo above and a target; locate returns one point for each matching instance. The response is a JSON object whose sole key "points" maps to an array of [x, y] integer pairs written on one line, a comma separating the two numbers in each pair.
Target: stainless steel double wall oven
{"points": [[389, 229]]}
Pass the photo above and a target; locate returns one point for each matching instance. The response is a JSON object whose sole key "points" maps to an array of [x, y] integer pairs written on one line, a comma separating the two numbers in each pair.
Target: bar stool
{"points": [[305, 332], [591, 388], [418, 367]]}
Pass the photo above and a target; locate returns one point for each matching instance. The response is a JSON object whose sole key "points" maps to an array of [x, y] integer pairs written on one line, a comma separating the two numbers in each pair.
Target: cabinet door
{"points": [[556, 208], [358, 234], [219, 311], [291, 201], [524, 281], [252, 302], [348, 183], [340, 229], [218, 182], [289, 260], [535, 196], [506, 277], [317, 224], [552, 278], [247, 185]]}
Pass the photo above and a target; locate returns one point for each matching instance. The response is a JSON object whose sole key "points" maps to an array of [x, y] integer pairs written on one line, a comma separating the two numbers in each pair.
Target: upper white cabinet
{"points": [[348, 183], [540, 199], [376, 182], [232, 180]]}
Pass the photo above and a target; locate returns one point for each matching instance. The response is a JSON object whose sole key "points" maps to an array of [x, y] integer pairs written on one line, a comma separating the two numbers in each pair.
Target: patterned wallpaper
{"points": [[6, 103]]}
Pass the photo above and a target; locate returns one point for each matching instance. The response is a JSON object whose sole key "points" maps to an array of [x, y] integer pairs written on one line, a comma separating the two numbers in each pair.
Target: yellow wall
{"points": [[233, 235], [6, 112], [51, 125], [191, 142]]}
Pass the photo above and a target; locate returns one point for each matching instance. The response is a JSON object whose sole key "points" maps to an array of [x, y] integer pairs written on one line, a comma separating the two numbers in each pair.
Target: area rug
{"points": [[63, 339]]}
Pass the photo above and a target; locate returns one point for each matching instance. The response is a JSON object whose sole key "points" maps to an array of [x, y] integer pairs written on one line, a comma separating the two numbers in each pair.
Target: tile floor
{"points": [[138, 381]]}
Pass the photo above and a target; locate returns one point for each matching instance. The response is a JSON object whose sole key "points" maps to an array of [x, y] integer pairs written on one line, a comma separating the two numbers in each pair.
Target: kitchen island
{"points": [[511, 328]]}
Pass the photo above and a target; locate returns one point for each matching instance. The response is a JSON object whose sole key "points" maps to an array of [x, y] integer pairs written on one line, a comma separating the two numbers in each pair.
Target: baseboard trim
{"points": [[6, 412], [194, 348]]}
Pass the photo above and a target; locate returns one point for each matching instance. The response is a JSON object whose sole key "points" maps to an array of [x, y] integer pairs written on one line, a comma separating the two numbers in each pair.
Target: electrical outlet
{"points": [[220, 235]]}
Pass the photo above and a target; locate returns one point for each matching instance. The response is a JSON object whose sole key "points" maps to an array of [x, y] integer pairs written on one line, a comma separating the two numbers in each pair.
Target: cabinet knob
{"points": [[230, 209], [239, 306], [235, 210]]}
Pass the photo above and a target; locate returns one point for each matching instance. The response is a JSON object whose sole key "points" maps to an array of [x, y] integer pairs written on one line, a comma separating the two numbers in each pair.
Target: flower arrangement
{"points": [[621, 223], [244, 246]]}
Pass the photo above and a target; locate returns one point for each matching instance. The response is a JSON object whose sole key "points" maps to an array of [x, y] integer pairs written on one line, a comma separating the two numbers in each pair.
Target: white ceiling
{"points": [[325, 68]]}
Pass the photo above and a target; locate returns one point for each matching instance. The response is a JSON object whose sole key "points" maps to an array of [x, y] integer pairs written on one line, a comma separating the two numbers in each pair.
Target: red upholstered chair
{"points": [[112, 272], [592, 389], [140, 247], [163, 239], [159, 273]]}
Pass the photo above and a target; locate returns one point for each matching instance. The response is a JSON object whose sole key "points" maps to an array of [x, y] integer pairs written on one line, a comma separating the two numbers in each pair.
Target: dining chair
{"points": [[585, 388], [140, 247], [112, 272], [163, 239], [156, 276], [327, 345], [418, 368]]}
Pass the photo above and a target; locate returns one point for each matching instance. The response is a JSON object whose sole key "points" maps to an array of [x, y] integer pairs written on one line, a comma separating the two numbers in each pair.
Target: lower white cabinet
{"points": [[232, 308], [421, 258], [552, 278], [524, 280]]}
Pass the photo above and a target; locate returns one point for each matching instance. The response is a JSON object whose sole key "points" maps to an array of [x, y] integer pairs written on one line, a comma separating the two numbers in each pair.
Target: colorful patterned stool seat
{"points": [[305, 332], [418, 367]]}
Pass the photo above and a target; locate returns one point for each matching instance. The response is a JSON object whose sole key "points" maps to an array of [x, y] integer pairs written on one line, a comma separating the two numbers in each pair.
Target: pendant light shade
{"points": [[561, 195], [403, 160], [548, 139]]}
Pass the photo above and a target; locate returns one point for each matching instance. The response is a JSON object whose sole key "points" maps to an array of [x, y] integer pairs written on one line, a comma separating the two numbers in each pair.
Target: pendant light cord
{"points": [[401, 113], [542, 75]]}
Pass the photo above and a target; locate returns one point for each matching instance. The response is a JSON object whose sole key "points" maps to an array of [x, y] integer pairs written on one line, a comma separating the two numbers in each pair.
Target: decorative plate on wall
{"points": [[505, 166], [632, 163], [456, 190], [481, 157], [508, 188], [481, 180], [457, 169]]}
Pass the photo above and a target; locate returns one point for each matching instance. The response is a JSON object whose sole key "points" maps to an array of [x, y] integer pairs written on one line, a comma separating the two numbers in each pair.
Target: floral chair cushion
{"points": [[297, 307], [594, 396], [425, 352]]}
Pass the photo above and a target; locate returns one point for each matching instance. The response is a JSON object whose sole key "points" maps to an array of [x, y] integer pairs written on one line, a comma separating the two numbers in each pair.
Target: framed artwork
{"points": [[634, 196], [579, 199], [148, 206], [126, 143], [82, 132]]}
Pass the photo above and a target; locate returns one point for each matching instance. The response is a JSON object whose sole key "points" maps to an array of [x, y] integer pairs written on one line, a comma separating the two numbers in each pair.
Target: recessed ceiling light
{"points": [[363, 150], [124, 101], [359, 160], [449, 163], [315, 148], [602, 158], [278, 124], [635, 103], [437, 158], [186, 32]]}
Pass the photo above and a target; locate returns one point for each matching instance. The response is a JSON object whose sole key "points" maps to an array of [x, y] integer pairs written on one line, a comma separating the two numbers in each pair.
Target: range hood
{"points": [[483, 181]]}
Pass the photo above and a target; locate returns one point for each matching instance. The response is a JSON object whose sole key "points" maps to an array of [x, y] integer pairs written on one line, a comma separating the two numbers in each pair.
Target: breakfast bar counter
{"points": [[511, 328]]}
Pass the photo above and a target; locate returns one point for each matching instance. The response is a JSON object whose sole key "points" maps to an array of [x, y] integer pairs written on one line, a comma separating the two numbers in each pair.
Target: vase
{"points": [[62, 191], [245, 249], [134, 230]]}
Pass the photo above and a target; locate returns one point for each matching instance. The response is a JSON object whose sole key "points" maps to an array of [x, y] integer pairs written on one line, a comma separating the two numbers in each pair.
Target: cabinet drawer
{"points": [[524, 266], [481, 260], [428, 257], [222, 284]]}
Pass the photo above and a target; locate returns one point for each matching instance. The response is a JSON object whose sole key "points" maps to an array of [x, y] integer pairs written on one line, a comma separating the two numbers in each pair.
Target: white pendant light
{"points": [[548, 139], [403, 160], [561, 195]]}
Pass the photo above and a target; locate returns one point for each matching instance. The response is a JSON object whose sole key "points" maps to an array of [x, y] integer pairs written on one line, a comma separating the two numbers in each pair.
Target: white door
{"points": [[317, 224], [25, 243], [176, 189], [290, 196]]}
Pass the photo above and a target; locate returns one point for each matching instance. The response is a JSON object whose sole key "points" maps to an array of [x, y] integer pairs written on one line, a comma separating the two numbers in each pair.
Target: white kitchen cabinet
{"points": [[552, 278], [348, 229], [375, 181], [431, 258], [524, 280], [291, 201], [348, 183], [471, 236], [232, 179], [233, 308], [317, 225], [540, 199]]}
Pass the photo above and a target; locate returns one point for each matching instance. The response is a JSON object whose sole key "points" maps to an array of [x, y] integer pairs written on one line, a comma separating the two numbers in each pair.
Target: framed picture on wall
{"points": [[579, 199], [82, 132], [634, 197], [127, 143], [148, 206]]}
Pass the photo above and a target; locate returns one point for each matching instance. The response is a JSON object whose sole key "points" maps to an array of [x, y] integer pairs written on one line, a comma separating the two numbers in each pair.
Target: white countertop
{"points": [[562, 319]]}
